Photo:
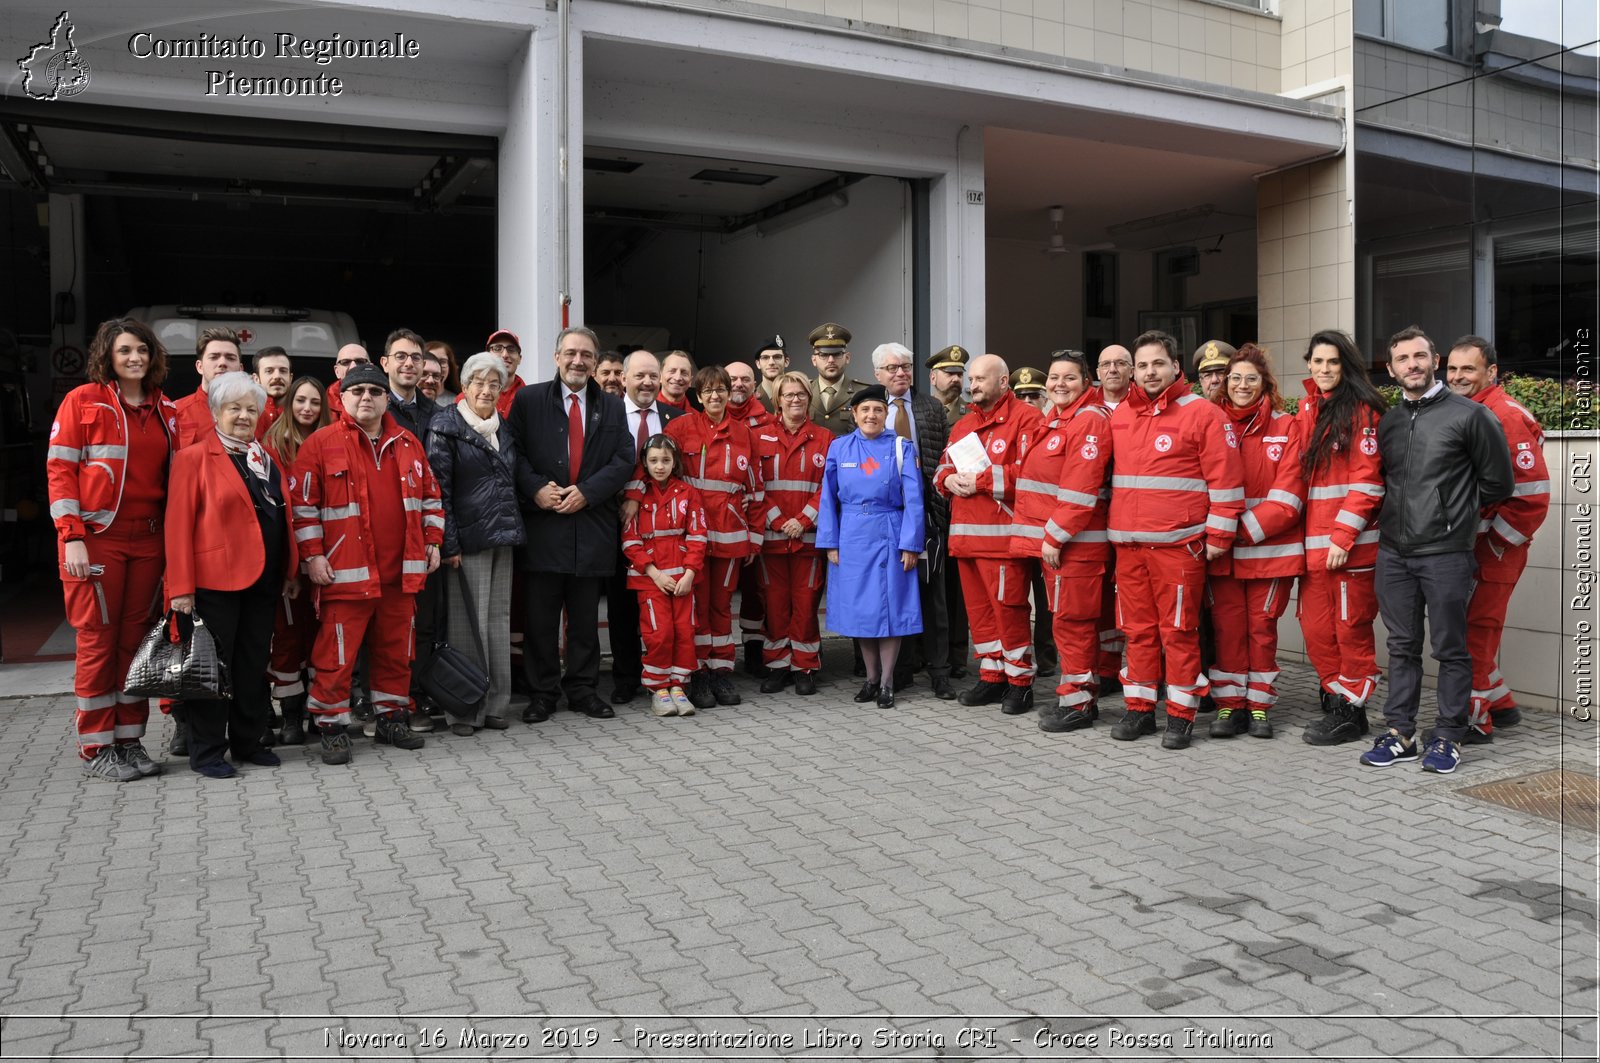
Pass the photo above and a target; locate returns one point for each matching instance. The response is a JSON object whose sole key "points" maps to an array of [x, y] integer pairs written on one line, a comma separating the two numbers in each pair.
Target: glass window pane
{"points": [[1369, 17], [1421, 24]]}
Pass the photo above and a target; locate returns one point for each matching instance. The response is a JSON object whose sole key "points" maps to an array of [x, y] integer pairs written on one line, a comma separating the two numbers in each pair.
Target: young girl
{"points": [[665, 544]]}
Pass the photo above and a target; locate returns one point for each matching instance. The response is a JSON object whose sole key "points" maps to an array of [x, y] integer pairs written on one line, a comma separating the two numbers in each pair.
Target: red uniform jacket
{"points": [[268, 415], [507, 393], [720, 461], [791, 473], [1343, 495], [331, 505], [1064, 489], [88, 457], [335, 403], [210, 517], [752, 414], [669, 532], [1178, 477], [194, 419], [1270, 542], [1513, 522], [980, 526]]}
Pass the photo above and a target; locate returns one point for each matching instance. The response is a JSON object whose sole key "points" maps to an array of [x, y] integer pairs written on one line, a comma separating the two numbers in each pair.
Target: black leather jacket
{"points": [[1444, 458]]}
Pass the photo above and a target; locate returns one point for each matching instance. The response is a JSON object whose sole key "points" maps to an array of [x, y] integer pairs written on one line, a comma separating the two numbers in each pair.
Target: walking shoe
{"points": [[1475, 737], [1346, 723], [942, 688], [419, 721], [1390, 748], [868, 692], [777, 679], [294, 722], [983, 692], [1442, 757], [1017, 700], [391, 730], [261, 758], [1179, 732], [539, 710], [1229, 722], [886, 696], [179, 746], [109, 765], [216, 769], [1506, 717], [1133, 724], [1044, 669], [661, 704], [361, 706], [722, 689], [1329, 701], [958, 671], [336, 746], [805, 683], [1109, 684], [463, 730], [1260, 726], [134, 754], [681, 702], [496, 723], [701, 696], [1062, 719]]}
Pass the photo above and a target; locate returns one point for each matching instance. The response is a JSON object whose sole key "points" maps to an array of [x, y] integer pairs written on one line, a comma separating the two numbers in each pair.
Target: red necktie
{"points": [[574, 438], [644, 431]]}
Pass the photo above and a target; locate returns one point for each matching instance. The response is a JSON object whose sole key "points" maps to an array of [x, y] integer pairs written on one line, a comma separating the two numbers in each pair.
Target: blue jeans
{"points": [[1438, 587]]}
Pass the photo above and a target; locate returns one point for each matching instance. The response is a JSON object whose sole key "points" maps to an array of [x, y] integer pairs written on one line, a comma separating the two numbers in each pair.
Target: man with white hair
{"points": [[921, 419], [983, 489]]}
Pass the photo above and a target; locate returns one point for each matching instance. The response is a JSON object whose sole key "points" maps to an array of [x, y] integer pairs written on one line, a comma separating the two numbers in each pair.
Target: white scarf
{"points": [[487, 427], [255, 453]]}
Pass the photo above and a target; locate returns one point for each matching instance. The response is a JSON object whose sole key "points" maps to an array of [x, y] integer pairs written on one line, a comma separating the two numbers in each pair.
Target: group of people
{"points": [[328, 538]]}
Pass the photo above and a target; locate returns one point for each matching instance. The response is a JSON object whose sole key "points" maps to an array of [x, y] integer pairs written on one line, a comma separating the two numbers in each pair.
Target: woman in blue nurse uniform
{"points": [[871, 526]]}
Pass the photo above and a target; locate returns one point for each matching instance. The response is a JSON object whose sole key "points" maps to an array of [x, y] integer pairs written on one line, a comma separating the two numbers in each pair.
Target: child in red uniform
{"points": [[665, 544]]}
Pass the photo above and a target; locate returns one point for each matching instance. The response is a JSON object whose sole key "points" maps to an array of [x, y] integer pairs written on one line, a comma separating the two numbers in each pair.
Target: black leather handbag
{"points": [[457, 683], [178, 659]]}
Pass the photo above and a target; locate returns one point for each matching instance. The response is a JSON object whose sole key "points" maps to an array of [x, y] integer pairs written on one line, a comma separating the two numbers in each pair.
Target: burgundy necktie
{"points": [[574, 438], [644, 431]]}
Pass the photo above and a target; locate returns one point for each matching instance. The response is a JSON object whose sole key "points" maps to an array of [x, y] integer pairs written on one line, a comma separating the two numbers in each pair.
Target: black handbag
{"points": [[178, 659], [456, 682]]}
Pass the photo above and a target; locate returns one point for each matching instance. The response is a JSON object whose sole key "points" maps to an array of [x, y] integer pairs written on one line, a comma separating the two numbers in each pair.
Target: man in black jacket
{"points": [[575, 439], [1444, 458], [921, 419]]}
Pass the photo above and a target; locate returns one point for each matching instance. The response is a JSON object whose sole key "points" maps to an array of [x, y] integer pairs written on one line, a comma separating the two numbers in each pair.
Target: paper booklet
{"points": [[968, 456]]}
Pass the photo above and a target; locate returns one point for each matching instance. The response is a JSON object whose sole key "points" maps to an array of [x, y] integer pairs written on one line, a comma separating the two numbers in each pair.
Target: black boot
{"points": [[294, 721], [1017, 700], [752, 659], [1346, 723]]}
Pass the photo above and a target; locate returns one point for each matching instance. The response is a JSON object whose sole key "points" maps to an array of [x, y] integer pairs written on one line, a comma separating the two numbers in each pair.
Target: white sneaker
{"points": [[681, 700], [663, 705]]}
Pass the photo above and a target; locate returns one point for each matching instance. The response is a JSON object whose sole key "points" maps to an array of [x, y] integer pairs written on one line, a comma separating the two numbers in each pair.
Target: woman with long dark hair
{"points": [[1342, 478]]}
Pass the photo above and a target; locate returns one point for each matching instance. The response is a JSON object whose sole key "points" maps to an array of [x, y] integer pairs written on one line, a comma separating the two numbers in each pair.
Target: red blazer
{"points": [[211, 523]]}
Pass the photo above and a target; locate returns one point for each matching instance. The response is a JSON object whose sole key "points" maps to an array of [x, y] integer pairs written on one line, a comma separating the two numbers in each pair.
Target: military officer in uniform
{"points": [[831, 390], [772, 361], [945, 371], [1027, 384]]}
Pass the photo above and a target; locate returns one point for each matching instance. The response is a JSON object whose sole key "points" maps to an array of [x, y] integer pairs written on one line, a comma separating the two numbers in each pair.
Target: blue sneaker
{"points": [[1390, 748], [1442, 757]]}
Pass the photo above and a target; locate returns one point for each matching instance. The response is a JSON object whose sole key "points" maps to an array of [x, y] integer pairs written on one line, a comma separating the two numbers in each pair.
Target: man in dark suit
{"points": [[641, 383], [575, 440], [921, 419]]}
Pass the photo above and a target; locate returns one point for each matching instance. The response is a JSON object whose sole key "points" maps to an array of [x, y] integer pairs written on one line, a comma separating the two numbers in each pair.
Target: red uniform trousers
{"points": [[1244, 615], [1112, 644], [111, 611], [996, 591], [793, 588], [752, 605], [1075, 607], [386, 625], [1336, 614], [714, 642], [294, 632], [1159, 593], [1486, 617], [666, 623]]}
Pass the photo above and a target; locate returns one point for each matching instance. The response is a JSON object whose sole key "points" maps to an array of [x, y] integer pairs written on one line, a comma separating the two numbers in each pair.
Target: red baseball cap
{"points": [[512, 336]]}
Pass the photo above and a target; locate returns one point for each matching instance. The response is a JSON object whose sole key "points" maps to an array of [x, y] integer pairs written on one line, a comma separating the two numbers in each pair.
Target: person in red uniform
{"points": [[1176, 497], [1248, 588], [665, 544], [504, 342], [274, 373], [110, 446], [719, 454], [348, 357], [677, 373], [216, 352], [294, 626], [994, 584], [1342, 484], [1505, 533], [742, 406], [369, 524], [793, 452], [1062, 497]]}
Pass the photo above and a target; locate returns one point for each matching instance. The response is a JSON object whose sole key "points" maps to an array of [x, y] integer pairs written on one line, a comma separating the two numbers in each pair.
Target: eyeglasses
{"points": [[1235, 378], [504, 348], [432, 375], [348, 362], [896, 367], [405, 356], [708, 392], [1115, 365], [795, 396], [366, 392], [828, 354]]}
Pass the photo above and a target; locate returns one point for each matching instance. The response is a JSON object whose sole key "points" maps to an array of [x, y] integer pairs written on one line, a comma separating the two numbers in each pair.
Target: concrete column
{"points": [[530, 252], [68, 267], [957, 235]]}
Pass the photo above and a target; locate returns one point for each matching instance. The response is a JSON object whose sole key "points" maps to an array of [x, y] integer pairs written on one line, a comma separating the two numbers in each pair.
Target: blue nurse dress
{"points": [[870, 511]]}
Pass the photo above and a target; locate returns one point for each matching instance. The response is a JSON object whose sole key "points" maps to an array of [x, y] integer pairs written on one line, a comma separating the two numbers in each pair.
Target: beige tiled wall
{"points": [[1305, 261], [1225, 43], [1317, 37]]}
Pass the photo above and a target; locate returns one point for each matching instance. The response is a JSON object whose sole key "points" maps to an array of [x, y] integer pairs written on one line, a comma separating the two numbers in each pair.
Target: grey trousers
{"points": [[490, 574], [1438, 587]]}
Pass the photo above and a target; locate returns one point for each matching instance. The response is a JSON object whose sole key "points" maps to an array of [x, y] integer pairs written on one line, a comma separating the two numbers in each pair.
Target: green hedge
{"points": [[1554, 404]]}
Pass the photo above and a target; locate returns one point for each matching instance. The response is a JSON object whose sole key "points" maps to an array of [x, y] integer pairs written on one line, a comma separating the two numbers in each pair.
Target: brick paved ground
{"points": [[924, 870]]}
